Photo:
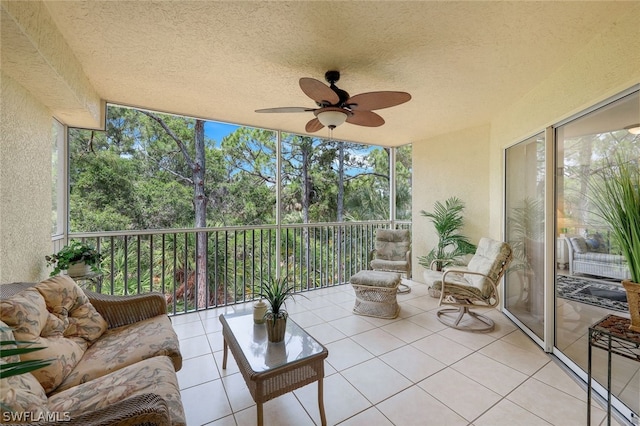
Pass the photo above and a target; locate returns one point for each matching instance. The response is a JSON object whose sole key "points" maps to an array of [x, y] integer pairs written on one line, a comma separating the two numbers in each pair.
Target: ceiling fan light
{"points": [[332, 118], [634, 129]]}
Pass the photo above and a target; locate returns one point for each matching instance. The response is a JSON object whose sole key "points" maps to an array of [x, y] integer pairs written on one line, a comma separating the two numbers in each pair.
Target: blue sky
{"points": [[216, 131]]}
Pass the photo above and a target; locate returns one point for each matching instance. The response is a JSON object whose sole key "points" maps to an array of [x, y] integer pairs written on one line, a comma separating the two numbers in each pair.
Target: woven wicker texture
{"points": [[141, 410], [376, 301]]}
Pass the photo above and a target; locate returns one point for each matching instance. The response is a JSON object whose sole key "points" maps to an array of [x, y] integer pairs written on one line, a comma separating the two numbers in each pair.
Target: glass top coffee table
{"points": [[273, 369]]}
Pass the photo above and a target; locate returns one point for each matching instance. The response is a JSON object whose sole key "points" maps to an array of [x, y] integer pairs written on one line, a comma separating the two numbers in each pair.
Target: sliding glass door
{"points": [[588, 277], [525, 193]]}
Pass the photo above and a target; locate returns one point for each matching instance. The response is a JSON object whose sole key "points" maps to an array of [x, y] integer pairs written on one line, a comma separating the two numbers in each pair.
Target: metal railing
{"points": [[236, 260]]}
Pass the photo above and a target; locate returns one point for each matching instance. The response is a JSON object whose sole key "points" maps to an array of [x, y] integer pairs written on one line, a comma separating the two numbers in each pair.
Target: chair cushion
{"points": [[389, 265], [153, 375], [488, 260], [22, 393], [376, 278], [57, 315], [392, 244], [579, 244], [123, 346]]}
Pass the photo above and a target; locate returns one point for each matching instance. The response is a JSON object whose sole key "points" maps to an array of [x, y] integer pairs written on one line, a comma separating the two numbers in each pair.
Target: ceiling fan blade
{"points": [[318, 91], [365, 118], [286, 109], [313, 125], [377, 100]]}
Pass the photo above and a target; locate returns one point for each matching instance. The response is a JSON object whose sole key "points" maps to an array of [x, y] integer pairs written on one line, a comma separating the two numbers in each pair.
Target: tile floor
{"points": [[408, 371]]}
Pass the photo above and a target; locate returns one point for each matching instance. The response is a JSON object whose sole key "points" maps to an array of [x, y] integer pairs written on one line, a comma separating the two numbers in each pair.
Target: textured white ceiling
{"points": [[461, 61]]}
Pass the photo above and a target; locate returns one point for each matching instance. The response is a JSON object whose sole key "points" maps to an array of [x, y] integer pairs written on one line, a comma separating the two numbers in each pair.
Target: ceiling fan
{"points": [[335, 106]]}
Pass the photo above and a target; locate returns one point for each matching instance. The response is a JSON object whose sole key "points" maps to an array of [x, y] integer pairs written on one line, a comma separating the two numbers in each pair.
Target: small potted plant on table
{"points": [[77, 258], [275, 291]]}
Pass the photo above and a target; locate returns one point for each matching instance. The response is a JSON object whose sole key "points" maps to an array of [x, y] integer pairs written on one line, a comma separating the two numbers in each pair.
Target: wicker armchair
{"points": [[392, 251], [472, 286]]}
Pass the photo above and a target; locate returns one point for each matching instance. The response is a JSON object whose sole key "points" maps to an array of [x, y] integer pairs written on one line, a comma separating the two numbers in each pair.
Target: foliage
{"points": [[447, 219], [73, 253], [20, 367], [615, 192], [276, 291]]}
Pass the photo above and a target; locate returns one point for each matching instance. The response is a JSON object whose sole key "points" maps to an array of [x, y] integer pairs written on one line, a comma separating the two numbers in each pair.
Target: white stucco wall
{"points": [[607, 65], [455, 164], [25, 184]]}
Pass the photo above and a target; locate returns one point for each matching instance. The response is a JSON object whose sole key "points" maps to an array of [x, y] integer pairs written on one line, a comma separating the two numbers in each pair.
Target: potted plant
{"points": [[77, 258], [275, 292], [615, 192], [448, 220]]}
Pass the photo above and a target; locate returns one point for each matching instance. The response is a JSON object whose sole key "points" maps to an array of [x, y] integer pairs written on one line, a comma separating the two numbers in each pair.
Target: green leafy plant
{"points": [[447, 219], [615, 192], [73, 253], [276, 291]]}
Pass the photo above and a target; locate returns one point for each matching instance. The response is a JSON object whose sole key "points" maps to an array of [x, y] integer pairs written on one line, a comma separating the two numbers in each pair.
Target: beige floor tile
{"points": [[284, 410], [352, 325], [378, 341], [201, 404], [473, 341], [225, 421], [520, 359], [325, 333], [183, 319], [332, 312], [216, 341], [493, 374], [444, 350], [194, 346], [415, 407], [508, 413], [519, 339], [376, 380], [556, 407], [305, 318], [211, 325], [429, 321], [553, 375], [458, 392], [412, 363], [189, 329], [341, 400], [237, 392], [346, 353], [371, 416], [406, 330], [197, 370]]}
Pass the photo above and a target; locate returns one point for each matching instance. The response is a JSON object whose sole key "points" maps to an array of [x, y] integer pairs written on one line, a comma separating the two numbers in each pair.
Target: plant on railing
{"points": [[74, 253], [448, 220]]}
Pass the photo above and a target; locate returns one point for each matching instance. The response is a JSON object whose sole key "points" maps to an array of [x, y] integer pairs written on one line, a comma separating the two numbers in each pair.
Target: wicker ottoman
{"points": [[376, 293]]}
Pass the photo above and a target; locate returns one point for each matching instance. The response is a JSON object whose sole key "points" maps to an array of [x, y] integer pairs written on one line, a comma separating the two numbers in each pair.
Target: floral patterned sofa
{"points": [[114, 358], [591, 256]]}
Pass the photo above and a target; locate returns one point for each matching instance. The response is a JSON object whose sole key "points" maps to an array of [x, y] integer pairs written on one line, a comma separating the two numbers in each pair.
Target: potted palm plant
{"points": [[447, 219], [275, 292], [77, 258], [615, 192]]}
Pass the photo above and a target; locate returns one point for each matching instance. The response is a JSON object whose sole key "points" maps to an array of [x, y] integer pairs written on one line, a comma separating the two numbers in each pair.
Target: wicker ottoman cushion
{"points": [[376, 293]]}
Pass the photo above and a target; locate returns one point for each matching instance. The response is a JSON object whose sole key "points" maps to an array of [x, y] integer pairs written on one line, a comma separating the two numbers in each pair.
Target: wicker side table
{"points": [[376, 293], [273, 369]]}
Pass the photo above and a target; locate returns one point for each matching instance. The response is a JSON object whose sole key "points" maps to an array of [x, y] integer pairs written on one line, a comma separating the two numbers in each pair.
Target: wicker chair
{"points": [[475, 285], [392, 253]]}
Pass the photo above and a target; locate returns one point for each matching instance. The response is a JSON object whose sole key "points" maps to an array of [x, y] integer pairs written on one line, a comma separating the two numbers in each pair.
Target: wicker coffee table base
{"points": [[269, 384]]}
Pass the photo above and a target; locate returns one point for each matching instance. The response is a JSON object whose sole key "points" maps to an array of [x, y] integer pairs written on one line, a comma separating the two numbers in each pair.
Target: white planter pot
{"points": [[79, 270]]}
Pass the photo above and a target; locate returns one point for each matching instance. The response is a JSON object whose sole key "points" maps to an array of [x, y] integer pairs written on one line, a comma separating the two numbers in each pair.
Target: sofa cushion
{"points": [[57, 315], [579, 244], [22, 393], [154, 375], [66, 300], [122, 346]]}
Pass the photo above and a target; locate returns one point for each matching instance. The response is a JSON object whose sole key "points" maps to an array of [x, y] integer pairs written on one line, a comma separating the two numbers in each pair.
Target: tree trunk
{"points": [[200, 204]]}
